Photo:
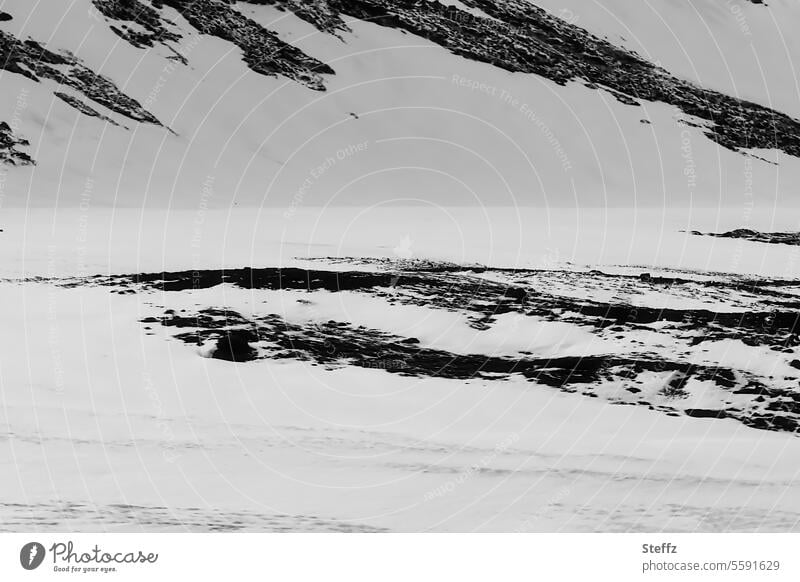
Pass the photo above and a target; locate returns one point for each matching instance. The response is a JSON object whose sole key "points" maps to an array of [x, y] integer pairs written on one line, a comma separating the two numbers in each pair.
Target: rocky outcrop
{"points": [[641, 353], [83, 107], [518, 36], [9, 147], [320, 13], [155, 27], [234, 346], [775, 238], [264, 52], [32, 60], [514, 35]]}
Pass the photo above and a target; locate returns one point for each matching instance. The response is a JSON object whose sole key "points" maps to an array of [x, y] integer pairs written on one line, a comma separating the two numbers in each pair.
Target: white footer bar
{"points": [[402, 557]]}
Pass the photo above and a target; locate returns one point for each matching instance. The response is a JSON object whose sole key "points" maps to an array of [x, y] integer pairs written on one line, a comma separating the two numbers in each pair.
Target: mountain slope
{"points": [[289, 103]]}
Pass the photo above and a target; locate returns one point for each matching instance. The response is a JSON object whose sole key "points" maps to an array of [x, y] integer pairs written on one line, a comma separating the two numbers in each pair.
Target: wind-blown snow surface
{"points": [[109, 423]]}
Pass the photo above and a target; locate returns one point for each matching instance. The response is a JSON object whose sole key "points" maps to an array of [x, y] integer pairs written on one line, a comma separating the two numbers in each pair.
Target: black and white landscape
{"points": [[362, 266]]}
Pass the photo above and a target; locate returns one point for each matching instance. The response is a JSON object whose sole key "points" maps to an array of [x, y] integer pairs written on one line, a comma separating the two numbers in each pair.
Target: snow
{"points": [[510, 334], [739, 48], [144, 422], [95, 413], [735, 353], [93, 240], [103, 427]]}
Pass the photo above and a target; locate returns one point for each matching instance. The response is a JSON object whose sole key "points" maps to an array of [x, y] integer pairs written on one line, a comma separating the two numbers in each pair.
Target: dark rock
{"points": [[235, 346], [517, 293], [521, 37], [264, 52], [334, 344], [83, 107], [775, 238], [703, 413], [9, 148], [156, 28], [35, 62]]}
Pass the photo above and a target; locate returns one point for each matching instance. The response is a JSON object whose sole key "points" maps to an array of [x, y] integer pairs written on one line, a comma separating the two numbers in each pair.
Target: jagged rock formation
{"points": [[155, 26], [83, 107], [776, 238], [321, 13], [32, 60], [514, 35], [649, 355], [522, 37], [9, 144], [264, 52]]}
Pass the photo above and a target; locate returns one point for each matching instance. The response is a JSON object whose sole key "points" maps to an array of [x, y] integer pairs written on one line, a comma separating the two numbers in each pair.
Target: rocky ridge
{"points": [[775, 238], [660, 342], [514, 35], [518, 36]]}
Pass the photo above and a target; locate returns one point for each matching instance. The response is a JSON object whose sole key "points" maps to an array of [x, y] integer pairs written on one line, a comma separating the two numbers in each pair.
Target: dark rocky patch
{"points": [[156, 28], [264, 52], [521, 37], [320, 13], [337, 344], [266, 278], [441, 287], [517, 36], [769, 316], [83, 107], [234, 346], [9, 148], [32, 60], [775, 238], [702, 413]]}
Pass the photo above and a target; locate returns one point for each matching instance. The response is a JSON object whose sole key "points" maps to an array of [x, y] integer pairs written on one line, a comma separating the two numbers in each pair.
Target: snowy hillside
{"points": [[399, 265], [337, 102], [650, 387]]}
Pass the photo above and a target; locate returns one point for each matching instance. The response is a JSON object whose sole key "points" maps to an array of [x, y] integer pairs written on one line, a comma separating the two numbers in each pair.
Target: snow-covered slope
{"points": [[333, 362], [747, 49], [391, 398], [292, 104]]}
